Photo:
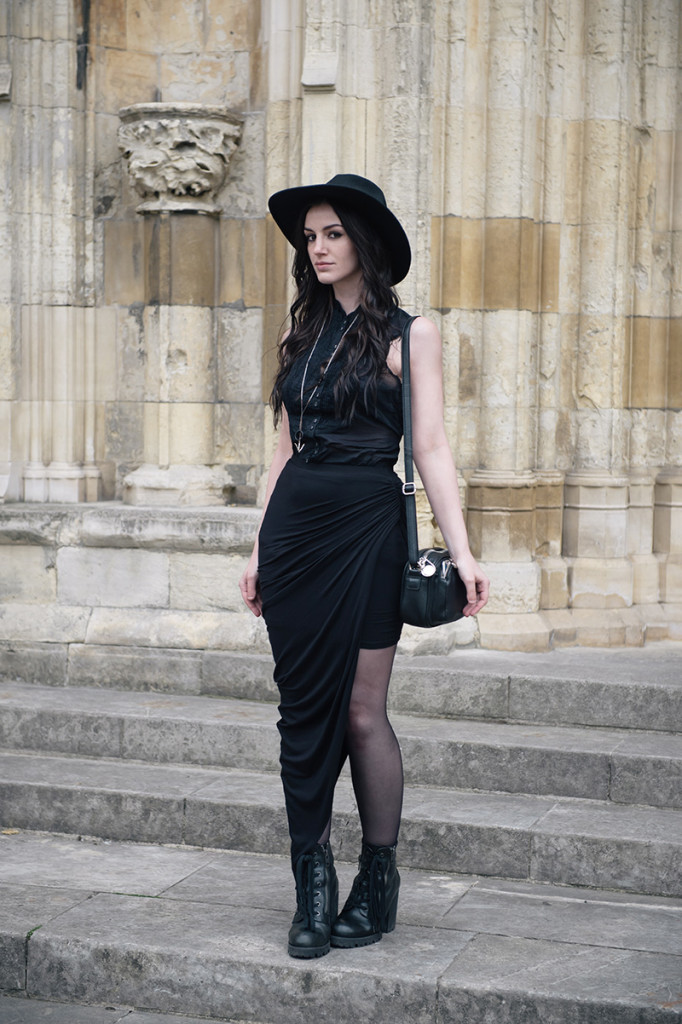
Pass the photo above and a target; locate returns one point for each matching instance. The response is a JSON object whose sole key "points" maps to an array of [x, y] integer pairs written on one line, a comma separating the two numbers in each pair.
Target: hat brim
{"points": [[286, 208]]}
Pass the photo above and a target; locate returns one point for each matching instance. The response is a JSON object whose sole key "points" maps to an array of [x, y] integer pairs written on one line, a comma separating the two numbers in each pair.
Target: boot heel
{"points": [[372, 905], [389, 918]]}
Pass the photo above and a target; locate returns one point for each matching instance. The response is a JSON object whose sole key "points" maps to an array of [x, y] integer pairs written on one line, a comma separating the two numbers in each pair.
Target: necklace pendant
{"points": [[299, 443]]}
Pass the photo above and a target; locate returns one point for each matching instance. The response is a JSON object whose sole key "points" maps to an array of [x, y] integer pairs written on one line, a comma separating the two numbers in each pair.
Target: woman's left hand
{"points": [[476, 582]]}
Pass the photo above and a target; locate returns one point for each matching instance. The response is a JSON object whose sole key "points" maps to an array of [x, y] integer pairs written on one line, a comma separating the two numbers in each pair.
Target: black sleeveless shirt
{"points": [[373, 435]]}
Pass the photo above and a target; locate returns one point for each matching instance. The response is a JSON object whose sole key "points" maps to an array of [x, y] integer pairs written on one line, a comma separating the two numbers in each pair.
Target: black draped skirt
{"points": [[331, 552]]}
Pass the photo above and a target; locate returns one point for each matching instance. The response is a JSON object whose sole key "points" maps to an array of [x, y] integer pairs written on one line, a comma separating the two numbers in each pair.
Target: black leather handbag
{"points": [[431, 591]]}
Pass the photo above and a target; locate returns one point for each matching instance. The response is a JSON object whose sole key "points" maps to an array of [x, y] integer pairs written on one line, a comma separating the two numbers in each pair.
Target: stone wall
{"points": [[532, 151]]}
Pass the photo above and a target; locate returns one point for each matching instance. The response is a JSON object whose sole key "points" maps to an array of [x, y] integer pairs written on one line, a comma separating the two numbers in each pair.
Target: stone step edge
{"points": [[411, 975], [465, 754], [512, 689], [510, 836]]}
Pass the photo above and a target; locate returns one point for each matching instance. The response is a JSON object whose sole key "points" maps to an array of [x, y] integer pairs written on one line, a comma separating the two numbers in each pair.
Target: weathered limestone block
{"points": [[27, 574], [190, 433], [120, 578], [553, 582], [514, 632], [135, 668], [181, 485], [124, 271], [671, 580], [649, 363], [126, 76], [239, 432], [6, 361], [645, 579], [206, 582], [239, 351], [217, 79], [43, 623], [668, 512], [600, 583], [251, 263], [168, 529], [641, 513], [191, 630], [45, 663], [589, 627], [549, 512], [439, 641], [109, 364], [595, 515], [514, 587], [501, 516], [179, 353], [507, 428]]}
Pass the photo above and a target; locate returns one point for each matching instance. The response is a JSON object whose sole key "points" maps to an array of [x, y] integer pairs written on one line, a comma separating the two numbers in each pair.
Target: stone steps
{"points": [[627, 689], [562, 840], [541, 844], [202, 932], [624, 766]]}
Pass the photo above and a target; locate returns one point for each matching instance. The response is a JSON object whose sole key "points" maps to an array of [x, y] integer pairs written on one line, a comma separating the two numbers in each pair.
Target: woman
{"points": [[325, 571]]}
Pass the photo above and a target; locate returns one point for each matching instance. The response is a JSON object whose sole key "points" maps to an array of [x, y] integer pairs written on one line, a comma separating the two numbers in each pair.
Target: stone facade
{"points": [[532, 151]]}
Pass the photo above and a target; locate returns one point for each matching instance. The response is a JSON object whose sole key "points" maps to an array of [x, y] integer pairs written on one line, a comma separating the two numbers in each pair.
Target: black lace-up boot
{"points": [[317, 898], [372, 905]]}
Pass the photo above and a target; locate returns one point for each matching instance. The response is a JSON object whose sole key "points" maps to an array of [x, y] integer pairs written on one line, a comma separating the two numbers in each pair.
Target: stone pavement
{"points": [[204, 931], [15, 1010]]}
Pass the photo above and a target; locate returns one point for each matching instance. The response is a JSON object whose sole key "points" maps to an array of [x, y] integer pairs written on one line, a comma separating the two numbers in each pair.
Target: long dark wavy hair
{"points": [[362, 355]]}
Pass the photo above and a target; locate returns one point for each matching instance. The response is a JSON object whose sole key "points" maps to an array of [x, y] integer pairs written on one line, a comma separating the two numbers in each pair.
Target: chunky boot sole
{"points": [[313, 953], [354, 943]]}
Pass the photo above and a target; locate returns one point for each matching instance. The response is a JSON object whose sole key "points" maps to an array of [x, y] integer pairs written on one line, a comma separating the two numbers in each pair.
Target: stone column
{"points": [[7, 375], [563, 102], [596, 507], [502, 491], [654, 376], [53, 226], [321, 136], [668, 489], [178, 155]]}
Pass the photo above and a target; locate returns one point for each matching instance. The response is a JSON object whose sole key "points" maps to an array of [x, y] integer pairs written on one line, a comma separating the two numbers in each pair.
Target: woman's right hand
{"points": [[248, 584]]}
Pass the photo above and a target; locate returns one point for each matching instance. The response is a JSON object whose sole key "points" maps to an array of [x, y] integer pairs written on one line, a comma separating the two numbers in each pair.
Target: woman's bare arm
{"points": [[433, 457], [248, 584]]}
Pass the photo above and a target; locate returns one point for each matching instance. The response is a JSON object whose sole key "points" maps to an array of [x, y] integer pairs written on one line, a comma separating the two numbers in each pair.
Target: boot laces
{"points": [[309, 876]]}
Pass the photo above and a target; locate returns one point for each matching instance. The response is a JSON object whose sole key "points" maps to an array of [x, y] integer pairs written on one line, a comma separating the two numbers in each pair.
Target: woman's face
{"points": [[332, 254]]}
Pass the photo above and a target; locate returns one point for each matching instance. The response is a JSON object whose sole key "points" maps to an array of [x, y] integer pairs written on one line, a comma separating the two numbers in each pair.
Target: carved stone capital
{"points": [[178, 153]]}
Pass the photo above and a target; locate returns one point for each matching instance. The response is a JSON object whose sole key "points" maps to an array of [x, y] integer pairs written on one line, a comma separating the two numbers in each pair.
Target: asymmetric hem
{"points": [[323, 539]]}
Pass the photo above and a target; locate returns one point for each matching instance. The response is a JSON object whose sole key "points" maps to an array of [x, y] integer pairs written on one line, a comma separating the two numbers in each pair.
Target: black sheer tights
{"points": [[373, 750]]}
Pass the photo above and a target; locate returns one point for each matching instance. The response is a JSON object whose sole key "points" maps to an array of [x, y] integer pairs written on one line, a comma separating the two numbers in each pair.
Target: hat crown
{"points": [[359, 184]]}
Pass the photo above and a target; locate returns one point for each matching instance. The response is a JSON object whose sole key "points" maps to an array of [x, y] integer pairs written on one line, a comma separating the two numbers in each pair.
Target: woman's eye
{"points": [[310, 238]]}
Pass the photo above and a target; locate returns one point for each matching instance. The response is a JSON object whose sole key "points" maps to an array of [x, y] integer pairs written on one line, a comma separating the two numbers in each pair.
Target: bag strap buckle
{"points": [[409, 488]]}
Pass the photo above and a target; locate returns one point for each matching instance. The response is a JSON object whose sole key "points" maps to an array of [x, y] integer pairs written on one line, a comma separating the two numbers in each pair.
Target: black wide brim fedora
{"points": [[359, 193]]}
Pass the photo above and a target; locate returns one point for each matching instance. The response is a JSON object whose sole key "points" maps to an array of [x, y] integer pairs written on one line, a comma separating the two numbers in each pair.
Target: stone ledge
{"points": [[113, 524]]}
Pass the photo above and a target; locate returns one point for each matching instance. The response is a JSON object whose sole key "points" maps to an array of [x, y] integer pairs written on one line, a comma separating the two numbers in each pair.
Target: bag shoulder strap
{"points": [[409, 487]]}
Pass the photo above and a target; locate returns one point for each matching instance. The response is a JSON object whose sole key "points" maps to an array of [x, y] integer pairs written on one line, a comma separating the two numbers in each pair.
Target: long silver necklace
{"points": [[299, 443]]}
